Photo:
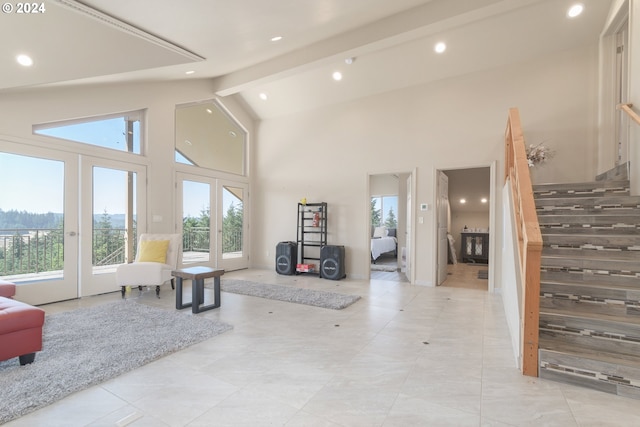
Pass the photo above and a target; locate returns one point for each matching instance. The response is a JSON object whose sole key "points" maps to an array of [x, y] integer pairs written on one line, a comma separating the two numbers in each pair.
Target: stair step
{"points": [[588, 369], [603, 265], [581, 189], [620, 172], [628, 219], [624, 328], [604, 202], [599, 230], [582, 253], [590, 299], [591, 278], [623, 242]]}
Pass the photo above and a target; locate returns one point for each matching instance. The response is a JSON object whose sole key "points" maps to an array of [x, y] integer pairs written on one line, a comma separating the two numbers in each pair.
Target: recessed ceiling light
{"points": [[575, 10], [187, 142], [463, 201], [209, 110], [440, 47], [189, 72], [263, 96], [24, 60], [350, 61], [232, 134], [276, 38], [337, 76], [483, 200]]}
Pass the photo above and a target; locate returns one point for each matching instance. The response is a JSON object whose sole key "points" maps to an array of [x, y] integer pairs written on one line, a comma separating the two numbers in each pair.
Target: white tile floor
{"points": [[401, 356]]}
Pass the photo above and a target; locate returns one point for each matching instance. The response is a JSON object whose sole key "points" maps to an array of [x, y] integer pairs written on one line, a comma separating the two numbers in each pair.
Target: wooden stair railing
{"points": [[529, 238], [627, 109]]}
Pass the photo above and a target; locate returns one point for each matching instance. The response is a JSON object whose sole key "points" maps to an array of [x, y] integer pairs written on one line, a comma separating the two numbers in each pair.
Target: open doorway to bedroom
{"points": [[463, 222], [388, 221]]}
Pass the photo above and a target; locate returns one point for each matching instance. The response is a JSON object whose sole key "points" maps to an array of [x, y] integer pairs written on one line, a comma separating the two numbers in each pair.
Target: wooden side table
{"points": [[197, 276]]}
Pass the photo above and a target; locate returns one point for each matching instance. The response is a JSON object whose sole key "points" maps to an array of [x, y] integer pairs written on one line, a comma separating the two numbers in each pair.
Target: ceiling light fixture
{"points": [[483, 200], [337, 76], [24, 60], [232, 134], [350, 61], [189, 72], [187, 142], [276, 38], [440, 47], [575, 10], [463, 201], [209, 110], [263, 96]]}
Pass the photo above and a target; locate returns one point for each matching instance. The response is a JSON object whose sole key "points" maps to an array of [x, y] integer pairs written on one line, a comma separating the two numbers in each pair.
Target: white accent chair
{"points": [[142, 273]]}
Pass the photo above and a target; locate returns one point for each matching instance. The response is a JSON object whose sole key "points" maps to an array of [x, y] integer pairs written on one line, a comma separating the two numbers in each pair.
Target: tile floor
{"points": [[401, 356]]}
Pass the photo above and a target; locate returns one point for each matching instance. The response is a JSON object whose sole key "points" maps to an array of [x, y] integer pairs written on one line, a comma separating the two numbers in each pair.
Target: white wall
{"points": [[324, 155], [20, 110], [327, 154]]}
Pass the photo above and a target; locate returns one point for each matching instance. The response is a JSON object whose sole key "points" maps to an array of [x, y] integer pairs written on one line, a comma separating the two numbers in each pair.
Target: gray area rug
{"points": [[87, 346], [312, 297], [384, 267]]}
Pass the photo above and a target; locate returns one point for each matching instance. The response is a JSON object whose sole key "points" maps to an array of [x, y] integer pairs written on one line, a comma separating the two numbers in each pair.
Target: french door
{"points": [[213, 222], [39, 230], [65, 218], [113, 200]]}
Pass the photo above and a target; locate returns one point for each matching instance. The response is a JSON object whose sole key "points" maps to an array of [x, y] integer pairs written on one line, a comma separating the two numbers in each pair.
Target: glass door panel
{"points": [[196, 222], [38, 224], [109, 225], [232, 226]]}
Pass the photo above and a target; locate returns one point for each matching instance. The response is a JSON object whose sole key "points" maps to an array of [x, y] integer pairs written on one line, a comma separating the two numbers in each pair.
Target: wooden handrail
{"points": [[627, 109], [529, 238]]}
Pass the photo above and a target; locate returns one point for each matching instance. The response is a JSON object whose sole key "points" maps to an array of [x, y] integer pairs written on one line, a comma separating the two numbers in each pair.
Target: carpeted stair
{"points": [[590, 284]]}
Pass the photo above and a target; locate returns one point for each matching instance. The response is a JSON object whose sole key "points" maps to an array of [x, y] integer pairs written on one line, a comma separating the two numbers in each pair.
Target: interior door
{"points": [[442, 206], [39, 245], [408, 231], [622, 70], [232, 225], [113, 209]]}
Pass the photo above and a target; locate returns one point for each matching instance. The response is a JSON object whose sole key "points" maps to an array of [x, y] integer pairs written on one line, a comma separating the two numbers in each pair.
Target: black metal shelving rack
{"points": [[312, 233]]}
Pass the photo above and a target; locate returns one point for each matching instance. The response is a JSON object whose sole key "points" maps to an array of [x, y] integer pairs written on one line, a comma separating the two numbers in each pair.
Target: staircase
{"points": [[590, 284]]}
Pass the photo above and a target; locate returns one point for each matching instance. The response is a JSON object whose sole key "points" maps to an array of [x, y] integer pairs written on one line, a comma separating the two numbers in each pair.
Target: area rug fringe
{"points": [[90, 345], [324, 299]]}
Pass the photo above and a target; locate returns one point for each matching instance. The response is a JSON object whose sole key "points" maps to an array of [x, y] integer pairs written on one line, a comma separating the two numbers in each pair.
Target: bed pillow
{"points": [[153, 251], [380, 232]]}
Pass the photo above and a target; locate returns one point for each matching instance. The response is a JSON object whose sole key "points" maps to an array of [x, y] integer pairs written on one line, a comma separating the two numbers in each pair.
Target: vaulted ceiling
{"points": [[391, 44]]}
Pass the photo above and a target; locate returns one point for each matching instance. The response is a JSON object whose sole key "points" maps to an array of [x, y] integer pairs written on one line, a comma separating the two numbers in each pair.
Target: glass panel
{"points": [[196, 215], [31, 218], [376, 211], [469, 244], [478, 245], [111, 190], [118, 133], [207, 137], [232, 222], [389, 210]]}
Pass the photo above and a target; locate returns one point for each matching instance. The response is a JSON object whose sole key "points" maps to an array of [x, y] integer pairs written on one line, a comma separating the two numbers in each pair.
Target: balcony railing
{"points": [[34, 251]]}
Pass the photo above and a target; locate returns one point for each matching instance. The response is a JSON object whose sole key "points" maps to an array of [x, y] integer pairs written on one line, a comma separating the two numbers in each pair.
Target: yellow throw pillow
{"points": [[153, 251]]}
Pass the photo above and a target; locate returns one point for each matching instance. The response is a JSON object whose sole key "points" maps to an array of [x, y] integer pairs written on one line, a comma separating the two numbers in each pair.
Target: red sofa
{"points": [[20, 326]]}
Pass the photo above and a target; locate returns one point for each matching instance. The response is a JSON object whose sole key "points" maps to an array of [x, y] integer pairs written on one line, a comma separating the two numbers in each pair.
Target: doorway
{"points": [[463, 227], [389, 220]]}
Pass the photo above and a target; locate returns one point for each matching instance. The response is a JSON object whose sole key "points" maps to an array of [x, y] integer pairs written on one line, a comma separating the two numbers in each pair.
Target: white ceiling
{"points": [[228, 41]]}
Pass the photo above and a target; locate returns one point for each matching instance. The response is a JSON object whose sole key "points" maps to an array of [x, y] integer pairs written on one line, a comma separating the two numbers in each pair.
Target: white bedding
{"points": [[382, 245]]}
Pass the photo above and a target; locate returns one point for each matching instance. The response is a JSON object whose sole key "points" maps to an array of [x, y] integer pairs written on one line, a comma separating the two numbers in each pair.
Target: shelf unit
{"points": [[312, 233]]}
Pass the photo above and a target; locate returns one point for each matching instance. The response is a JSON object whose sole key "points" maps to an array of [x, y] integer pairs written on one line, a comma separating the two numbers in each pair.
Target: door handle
{"points": [[71, 233]]}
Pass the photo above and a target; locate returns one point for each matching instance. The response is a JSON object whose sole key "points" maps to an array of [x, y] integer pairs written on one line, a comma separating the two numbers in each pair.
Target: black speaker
{"points": [[332, 262], [286, 258]]}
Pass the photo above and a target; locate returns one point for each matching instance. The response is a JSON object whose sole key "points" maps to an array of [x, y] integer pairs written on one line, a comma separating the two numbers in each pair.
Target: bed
{"points": [[383, 240]]}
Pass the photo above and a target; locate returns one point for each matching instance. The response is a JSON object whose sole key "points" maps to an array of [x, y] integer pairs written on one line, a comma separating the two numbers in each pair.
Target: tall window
{"points": [[207, 137], [384, 211], [117, 132]]}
